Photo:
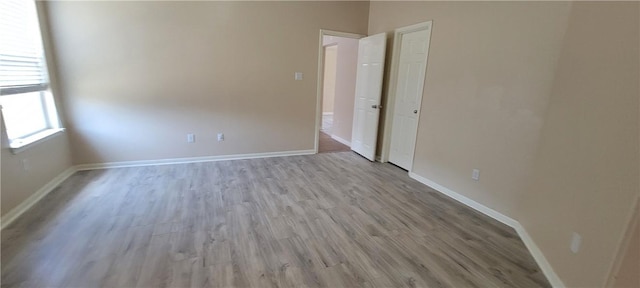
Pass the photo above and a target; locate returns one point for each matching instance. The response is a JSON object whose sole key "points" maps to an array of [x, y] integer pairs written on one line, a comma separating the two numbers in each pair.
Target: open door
{"points": [[371, 53], [411, 69]]}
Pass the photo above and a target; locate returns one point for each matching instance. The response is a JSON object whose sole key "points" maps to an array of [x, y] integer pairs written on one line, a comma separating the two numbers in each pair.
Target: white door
{"points": [[412, 67], [371, 52]]}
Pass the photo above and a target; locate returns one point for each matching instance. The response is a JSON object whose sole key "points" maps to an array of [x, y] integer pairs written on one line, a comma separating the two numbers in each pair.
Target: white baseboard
{"points": [[539, 257], [524, 236], [35, 197], [345, 142], [466, 201], [191, 160], [327, 113]]}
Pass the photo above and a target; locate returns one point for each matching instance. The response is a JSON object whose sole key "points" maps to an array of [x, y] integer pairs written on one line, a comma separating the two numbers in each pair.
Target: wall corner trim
{"points": [[35, 197], [535, 251]]}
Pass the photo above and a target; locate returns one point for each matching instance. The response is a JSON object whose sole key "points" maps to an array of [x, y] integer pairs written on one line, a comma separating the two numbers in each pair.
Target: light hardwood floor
{"points": [[326, 220], [327, 144]]}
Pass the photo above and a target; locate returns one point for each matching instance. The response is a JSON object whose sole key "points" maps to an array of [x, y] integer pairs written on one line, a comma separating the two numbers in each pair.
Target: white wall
{"points": [[139, 76]]}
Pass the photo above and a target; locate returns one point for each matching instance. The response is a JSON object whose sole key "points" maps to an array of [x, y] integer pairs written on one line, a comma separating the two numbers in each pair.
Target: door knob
{"points": [[415, 111]]}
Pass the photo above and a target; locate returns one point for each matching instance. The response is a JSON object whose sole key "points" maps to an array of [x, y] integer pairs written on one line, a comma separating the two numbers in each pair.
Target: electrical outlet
{"points": [[220, 137], [298, 76], [191, 138], [475, 174], [576, 241], [26, 165]]}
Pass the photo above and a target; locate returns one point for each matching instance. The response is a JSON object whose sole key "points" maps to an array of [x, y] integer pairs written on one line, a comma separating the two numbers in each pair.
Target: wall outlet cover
{"points": [[576, 242], [475, 174], [26, 165]]}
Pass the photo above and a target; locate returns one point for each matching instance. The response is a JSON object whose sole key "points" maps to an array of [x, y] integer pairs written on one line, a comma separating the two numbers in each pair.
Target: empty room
{"points": [[320, 144]]}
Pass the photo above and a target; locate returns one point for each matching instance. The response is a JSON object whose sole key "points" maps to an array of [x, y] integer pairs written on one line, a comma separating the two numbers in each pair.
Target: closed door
{"points": [[371, 53], [412, 67]]}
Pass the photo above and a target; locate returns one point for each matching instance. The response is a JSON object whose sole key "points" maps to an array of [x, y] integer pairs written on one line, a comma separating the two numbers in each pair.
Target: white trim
{"points": [[537, 254], [140, 163], [19, 145], [35, 197], [327, 113], [345, 142], [466, 201], [535, 251], [393, 81], [324, 32]]}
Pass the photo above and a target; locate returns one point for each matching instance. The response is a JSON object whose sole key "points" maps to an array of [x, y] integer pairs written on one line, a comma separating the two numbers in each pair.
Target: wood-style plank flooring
{"points": [[325, 220], [326, 144]]}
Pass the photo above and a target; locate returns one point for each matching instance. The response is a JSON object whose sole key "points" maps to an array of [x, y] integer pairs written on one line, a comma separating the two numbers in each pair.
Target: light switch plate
{"points": [[298, 76]]}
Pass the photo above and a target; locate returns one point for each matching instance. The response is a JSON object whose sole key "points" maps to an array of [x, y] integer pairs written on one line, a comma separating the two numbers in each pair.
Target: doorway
{"points": [[337, 76]]}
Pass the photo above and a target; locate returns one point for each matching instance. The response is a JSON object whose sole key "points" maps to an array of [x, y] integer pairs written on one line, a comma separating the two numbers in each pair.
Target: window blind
{"points": [[22, 62]]}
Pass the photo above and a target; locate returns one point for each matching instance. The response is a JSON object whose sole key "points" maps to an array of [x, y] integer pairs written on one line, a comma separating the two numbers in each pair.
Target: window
{"points": [[28, 108]]}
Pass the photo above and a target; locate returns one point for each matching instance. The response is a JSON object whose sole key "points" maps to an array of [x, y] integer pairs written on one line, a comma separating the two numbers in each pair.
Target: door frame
{"points": [[390, 101], [325, 32]]}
